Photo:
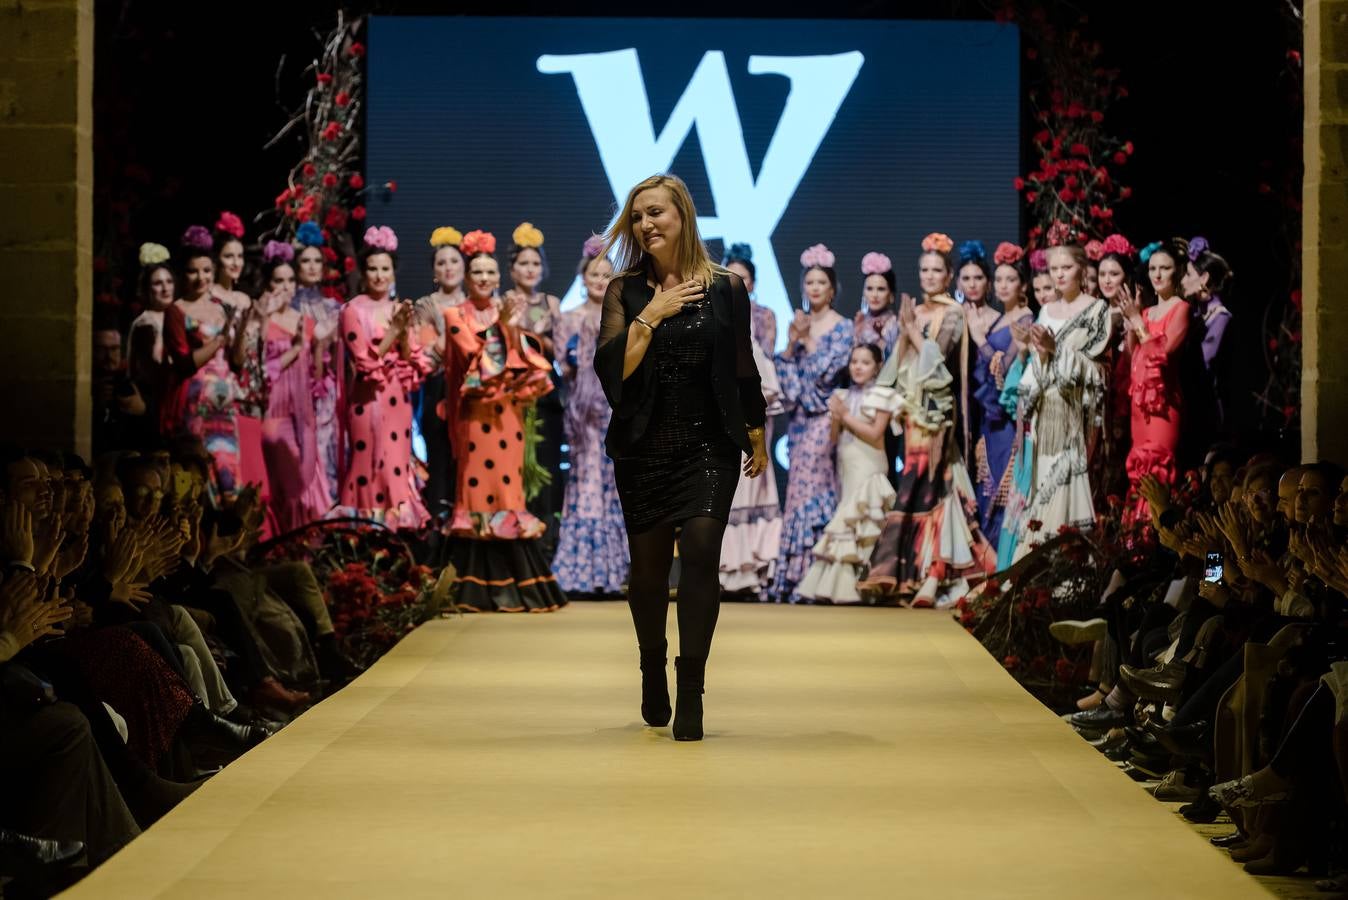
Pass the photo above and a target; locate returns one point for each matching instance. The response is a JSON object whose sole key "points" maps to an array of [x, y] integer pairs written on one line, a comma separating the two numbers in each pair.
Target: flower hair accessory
{"points": [[1198, 246], [527, 236], [196, 237], [277, 251], [1117, 243], [593, 247], [230, 224], [972, 251], [153, 254], [876, 264], [936, 242], [381, 237], [310, 235], [1145, 253], [741, 251], [444, 236], [1039, 261], [817, 256], [1095, 251], [475, 242], [1008, 254]]}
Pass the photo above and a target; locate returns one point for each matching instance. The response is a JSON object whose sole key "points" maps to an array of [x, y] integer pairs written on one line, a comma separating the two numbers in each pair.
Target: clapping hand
{"points": [[47, 539], [1129, 306], [16, 533], [25, 614]]}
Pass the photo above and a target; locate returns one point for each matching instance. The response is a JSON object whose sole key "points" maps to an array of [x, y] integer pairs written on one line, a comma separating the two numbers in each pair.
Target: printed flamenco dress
{"points": [[299, 484], [997, 428], [592, 553], [493, 374], [849, 537], [329, 439], [931, 545], [812, 482], [377, 482], [202, 401], [1155, 390], [753, 533], [1062, 397]]}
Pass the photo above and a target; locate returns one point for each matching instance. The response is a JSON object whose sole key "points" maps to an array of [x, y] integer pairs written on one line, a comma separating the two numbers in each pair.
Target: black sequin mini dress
{"points": [[685, 465]]}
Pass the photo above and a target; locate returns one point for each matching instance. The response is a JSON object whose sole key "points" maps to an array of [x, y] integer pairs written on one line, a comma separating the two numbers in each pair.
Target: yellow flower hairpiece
{"points": [[527, 236], [446, 237], [152, 254]]}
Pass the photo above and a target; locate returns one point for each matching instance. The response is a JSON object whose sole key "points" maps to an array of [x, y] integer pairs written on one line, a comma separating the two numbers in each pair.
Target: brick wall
{"points": [[1324, 378], [46, 220]]}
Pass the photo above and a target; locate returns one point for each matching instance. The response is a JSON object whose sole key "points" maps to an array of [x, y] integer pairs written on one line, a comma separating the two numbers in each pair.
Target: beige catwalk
{"points": [[849, 753]]}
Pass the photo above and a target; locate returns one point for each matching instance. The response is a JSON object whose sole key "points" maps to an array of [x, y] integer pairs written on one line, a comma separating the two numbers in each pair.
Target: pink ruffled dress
{"points": [[299, 485]]}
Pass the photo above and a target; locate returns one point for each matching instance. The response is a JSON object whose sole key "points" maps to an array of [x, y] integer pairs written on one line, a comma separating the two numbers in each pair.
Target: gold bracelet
{"points": [[648, 326]]}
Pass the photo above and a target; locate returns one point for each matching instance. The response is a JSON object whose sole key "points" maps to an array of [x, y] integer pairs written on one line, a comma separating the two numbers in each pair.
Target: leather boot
{"points": [[688, 706], [654, 687]]}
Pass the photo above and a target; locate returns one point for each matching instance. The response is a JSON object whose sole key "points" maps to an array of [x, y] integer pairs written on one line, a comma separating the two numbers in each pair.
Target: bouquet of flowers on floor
{"points": [[376, 591]]}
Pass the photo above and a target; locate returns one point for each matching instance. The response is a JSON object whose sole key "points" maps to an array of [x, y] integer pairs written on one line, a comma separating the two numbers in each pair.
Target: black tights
{"points": [[699, 593]]}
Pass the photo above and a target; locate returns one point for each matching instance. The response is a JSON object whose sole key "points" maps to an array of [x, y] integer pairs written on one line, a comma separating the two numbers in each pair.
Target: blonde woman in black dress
{"points": [[676, 363]]}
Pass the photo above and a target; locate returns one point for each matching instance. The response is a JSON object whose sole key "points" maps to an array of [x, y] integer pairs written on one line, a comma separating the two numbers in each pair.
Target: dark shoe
{"points": [[333, 663], [1152, 765], [654, 688], [1141, 739], [1163, 682], [202, 723], [1119, 754], [22, 852], [1111, 740], [1202, 811], [688, 706], [1102, 718], [1194, 739], [1229, 841]]}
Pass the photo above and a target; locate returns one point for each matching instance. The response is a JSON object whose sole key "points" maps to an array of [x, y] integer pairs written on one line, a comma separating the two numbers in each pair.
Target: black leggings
{"points": [[699, 593]]}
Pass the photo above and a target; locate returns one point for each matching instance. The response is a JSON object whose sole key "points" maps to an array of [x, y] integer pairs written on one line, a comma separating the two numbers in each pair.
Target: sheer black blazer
{"points": [[735, 381]]}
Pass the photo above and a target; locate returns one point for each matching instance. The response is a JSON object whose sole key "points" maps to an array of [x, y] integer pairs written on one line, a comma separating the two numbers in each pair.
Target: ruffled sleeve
{"points": [[878, 399], [361, 336], [1154, 383], [1076, 362], [924, 389], [807, 377]]}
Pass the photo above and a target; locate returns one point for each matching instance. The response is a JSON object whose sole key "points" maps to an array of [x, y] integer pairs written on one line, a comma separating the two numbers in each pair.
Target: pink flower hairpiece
{"points": [[1008, 254], [936, 242], [876, 264], [230, 224], [1095, 251], [381, 237], [593, 248], [1039, 261], [817, 256], [479, 241], [278, 251], [197, 237], [1117, 243]]}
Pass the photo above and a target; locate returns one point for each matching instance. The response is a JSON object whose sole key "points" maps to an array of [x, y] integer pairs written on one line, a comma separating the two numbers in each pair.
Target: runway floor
{"points": [[850, 753]]}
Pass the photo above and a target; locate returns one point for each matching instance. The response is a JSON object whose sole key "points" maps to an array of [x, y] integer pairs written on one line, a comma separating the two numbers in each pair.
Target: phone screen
{"points": [[1212, 570]]}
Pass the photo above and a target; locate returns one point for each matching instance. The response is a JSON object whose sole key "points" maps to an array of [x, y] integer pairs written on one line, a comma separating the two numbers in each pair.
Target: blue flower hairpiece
{"points": [[972, 251], [742, 252], [1145, 253], [310, 235], [1197, 246]]}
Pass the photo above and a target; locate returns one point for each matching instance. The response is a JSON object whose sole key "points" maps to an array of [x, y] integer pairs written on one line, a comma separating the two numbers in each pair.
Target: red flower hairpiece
{"points": [[230, 224], [1095, 251], [1008, 254], [478, 241], [1117, 243]]}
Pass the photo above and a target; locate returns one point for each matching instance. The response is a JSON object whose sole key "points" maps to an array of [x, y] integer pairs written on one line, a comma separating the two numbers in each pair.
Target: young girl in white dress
{"points": [[859, 415]]}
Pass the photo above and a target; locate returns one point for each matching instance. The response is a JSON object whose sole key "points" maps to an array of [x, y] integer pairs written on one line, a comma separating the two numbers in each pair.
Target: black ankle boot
{"points": [[654, 687], [688, 709]]}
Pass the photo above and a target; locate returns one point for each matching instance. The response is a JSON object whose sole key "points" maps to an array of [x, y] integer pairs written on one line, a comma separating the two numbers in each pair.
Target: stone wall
{"points": [[1324, 372], [46, 220]]}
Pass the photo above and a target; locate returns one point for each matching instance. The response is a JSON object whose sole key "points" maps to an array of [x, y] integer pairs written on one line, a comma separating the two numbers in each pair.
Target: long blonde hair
{"points": [[691, 258]]}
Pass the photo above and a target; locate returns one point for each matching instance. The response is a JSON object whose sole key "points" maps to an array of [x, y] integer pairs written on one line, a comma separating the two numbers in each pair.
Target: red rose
{"points": [[1070, 181], [1023, 609], [309, 170], [329, 180], [1128, 148], [324, 78], [342, 98], [335, 219], [1097, 117], [1034, 524], [1018, 183], [356, 181], [1042, 137], [1011, 662], [992, 586], [333, 131], [967, 617], [1064, 670], [1125, 192], [1121, 93], [391, 187], [1075, 110], [1289, 412], [1067, 195], [329, 255], [348, 265], [1120, 157], [1295, 337], [358, 213], [1294, 56], [1080, 149], [1273, 344], [1296, 299], [357, 49], [282, 197], [1031, 196]]}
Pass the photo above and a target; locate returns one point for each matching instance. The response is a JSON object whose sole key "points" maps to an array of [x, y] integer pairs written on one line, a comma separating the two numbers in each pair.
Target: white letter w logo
{"points": [[613, 97]]}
